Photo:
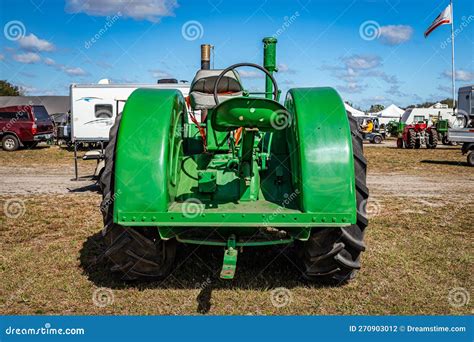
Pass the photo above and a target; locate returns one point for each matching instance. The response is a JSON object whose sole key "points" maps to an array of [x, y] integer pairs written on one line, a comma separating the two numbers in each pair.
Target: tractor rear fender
{"points": [[148, 152], [320, 147]]}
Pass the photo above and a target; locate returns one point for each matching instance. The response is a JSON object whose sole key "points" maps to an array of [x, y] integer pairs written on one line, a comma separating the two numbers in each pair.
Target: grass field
{"points": [[419, 258]]}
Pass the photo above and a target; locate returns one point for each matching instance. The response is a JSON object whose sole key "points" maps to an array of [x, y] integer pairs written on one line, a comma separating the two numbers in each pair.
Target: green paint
{"points": [[279, 181], [207, 181], [442, 126], [247, 112], [320, 147], [229, 264], [149, 151]]}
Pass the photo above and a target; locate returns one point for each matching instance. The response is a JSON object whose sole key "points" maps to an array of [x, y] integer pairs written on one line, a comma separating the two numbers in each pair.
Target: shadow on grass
{"points": [[445, 162], [198, 268], [94, 187]]}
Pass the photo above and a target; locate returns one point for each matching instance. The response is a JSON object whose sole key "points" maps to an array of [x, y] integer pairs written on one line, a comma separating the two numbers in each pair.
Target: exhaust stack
{"points": [[205, 56]]}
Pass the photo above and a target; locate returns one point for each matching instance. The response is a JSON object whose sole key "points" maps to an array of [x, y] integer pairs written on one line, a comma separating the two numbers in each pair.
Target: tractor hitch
{"points": [[230, 259]]}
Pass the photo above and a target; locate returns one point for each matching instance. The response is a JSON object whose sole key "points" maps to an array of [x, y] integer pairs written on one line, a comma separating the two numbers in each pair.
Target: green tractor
{"points": [[442, 127], [392, 128], [250, 173]]}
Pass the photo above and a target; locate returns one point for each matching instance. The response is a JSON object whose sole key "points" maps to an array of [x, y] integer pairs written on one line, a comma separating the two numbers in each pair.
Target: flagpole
{"points": [[453, 74]]}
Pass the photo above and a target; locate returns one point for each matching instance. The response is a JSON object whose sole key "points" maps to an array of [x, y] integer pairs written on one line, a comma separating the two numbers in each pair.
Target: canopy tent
{"points": [[353, 111], [390, 113]]}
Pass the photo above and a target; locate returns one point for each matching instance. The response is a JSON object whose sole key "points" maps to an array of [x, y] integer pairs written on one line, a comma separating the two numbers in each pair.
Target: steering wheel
{"points": [[238, 65]]}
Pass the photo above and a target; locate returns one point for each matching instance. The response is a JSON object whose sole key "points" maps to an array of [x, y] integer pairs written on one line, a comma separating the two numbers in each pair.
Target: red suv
{"points": [[24, 126]]}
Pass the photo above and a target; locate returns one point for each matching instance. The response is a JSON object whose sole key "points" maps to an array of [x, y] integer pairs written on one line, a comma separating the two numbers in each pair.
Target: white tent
{"points": [[390, 113], [353, 111]]}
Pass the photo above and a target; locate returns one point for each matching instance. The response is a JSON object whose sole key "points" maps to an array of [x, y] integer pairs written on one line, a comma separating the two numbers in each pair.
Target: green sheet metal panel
{"points": [[149, 151], [321, 151], [248, 112]]}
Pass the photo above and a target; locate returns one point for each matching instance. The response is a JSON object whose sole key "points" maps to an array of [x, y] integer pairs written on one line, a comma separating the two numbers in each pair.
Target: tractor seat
{"points": [[202, 88]]}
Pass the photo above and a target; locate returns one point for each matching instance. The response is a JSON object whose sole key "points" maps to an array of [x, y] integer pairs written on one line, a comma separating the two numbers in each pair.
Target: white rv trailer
{"points": [[95, 106], [93, 111], [414, 115]]}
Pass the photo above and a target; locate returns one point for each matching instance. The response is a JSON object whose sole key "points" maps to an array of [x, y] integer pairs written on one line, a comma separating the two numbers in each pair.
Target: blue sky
{"points": [[371, 51]]}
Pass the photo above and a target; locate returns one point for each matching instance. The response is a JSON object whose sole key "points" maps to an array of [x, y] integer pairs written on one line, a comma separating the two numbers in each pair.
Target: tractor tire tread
{"points": [[134, 253], [332, 255]]}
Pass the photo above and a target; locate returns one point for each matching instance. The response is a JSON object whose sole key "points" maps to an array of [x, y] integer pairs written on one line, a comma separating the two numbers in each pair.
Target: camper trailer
{"points": [[415, 115], [94, 107], [93, 111]]}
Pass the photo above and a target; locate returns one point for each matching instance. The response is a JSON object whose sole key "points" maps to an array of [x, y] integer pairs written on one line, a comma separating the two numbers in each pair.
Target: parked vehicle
{"points": [[62, 128], [377, 135], [417, 135], [465, 134], [262, 176], [429, 115], [391, 128], [94, 108], [24, 126]]}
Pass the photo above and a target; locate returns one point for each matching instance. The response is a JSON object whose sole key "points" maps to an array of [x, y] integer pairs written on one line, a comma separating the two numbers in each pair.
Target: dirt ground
{"points": [[419, 257]]}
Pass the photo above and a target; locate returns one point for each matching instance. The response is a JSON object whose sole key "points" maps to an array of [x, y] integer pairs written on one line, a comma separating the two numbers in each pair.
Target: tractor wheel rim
{"points": [[9, 143]]}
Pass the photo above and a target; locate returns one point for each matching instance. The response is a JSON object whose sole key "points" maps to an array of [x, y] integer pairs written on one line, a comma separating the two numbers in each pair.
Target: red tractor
{"points": [[416, 135]]}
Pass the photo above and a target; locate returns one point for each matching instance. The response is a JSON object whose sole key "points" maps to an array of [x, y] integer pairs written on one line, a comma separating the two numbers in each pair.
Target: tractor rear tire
{"points": [[418, 143], [445, 140], [432, 141], [332, 255], [133, 252], [411, 139], [399, 143]]}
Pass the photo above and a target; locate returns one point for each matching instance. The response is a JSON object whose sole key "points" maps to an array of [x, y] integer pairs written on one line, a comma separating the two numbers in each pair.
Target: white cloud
{"points": [[49, 61], [353, 87], [361, 62], [156, 73], [151, 10], [2, 57], [251, 74], [74, 71], [356, 69], [395, 34], [33, 43], [27, 58], [461, 75], [282, 67]]}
